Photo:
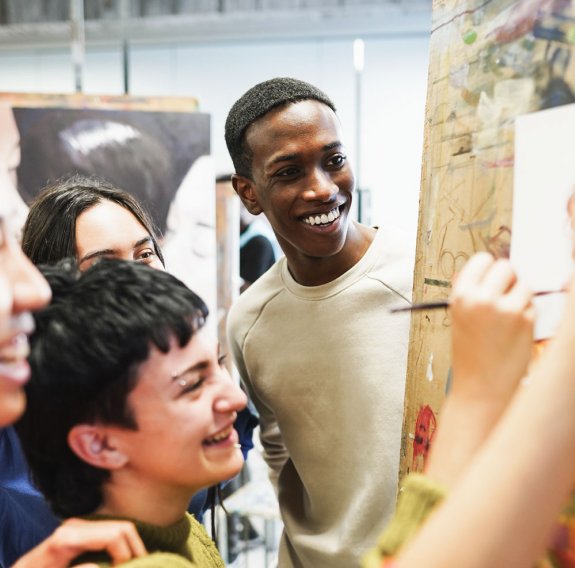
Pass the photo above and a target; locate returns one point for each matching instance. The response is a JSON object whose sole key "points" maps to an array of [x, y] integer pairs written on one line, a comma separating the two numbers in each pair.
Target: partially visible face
{"points": [[22, 290], [13, 205], [109, 230], [185, 404], [302, 180]]}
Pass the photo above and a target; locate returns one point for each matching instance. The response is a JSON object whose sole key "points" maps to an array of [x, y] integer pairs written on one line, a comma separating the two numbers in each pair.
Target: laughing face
{"points": [[301, 179], [185, 404], [22, 290]]}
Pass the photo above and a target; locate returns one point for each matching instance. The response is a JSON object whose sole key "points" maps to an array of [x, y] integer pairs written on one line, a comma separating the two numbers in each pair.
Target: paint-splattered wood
{"points": [[490, 60]]}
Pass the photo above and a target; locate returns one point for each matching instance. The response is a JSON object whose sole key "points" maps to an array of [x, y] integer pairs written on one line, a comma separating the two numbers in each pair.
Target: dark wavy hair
{"points": [[85, 354], [50, 230], [257, 102]]}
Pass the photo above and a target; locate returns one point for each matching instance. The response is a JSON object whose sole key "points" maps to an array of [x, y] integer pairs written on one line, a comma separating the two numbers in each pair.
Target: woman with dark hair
{"points": [[51, 231]]}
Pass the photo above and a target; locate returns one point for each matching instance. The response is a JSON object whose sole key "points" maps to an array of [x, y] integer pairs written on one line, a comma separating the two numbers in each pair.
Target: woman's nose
{"points": [[231, 397]]}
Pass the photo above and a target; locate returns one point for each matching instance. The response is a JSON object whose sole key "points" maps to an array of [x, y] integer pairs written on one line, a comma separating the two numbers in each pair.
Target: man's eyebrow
{"points": [[288, 157], [332, 145], [284, 158]]}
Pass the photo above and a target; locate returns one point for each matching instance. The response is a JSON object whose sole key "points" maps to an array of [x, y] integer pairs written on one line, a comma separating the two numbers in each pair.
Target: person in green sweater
{"points": [[130, 408], [501, 468]]}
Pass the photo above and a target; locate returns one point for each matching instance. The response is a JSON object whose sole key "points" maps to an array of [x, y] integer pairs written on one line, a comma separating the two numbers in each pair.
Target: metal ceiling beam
{"points": [[385, 20]]}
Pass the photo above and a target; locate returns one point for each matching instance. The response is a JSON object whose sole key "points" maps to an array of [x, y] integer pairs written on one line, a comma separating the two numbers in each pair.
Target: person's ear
{"points": [[245, 188], [92, 444]]}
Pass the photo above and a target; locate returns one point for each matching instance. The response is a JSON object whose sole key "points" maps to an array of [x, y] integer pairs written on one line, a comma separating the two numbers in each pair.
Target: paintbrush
{"points": [[445, 303]]}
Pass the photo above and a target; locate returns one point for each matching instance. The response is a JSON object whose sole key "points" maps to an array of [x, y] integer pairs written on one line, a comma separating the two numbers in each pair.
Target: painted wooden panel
{"points": [[490, 62], [156, 148]]}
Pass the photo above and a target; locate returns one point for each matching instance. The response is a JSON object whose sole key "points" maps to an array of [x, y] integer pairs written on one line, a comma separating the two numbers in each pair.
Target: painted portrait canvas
{"points": [[159, 151]]}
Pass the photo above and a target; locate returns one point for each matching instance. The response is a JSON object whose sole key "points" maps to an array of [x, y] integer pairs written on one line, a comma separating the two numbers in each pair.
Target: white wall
{"points": [[392, 103]]}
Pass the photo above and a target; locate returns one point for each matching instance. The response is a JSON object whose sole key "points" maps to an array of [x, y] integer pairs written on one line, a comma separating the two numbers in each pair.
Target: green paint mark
{"points": [[470, 36], [571, 35], [440, 283]]}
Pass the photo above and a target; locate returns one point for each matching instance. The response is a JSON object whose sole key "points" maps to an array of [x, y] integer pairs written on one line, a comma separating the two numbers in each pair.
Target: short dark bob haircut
{"points": [[85, 354]]}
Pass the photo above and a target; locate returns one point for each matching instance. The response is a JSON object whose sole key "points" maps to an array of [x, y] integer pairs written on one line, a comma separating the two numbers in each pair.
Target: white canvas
{"points": [[544, 179]]}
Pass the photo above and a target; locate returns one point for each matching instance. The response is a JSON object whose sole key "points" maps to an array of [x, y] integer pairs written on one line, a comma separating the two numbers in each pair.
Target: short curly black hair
{"points": [[255, 103]]}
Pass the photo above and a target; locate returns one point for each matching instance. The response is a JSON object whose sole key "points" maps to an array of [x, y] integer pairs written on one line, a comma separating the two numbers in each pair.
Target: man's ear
{"points": [[244, 187], [92, 444]]}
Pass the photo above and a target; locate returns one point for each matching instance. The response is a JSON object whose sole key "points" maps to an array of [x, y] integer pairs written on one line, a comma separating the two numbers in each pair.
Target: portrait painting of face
{"points": [[161, 157]]}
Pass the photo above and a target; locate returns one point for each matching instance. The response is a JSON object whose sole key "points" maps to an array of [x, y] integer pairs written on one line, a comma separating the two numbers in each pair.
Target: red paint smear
{"points": [[424, 431], [522, 19], [503, 163]]}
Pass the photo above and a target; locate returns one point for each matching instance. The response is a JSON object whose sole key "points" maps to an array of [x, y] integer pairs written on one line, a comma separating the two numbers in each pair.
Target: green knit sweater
{"points": [[418, 496], [184, 544]]}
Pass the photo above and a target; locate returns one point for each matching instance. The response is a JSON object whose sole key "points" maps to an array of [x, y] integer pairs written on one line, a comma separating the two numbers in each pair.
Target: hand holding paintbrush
{"points": [[434, 305]]}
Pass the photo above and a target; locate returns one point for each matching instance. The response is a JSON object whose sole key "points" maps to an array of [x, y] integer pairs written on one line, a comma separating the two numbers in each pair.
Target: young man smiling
{"points": [[139, 405], [321, 358]]}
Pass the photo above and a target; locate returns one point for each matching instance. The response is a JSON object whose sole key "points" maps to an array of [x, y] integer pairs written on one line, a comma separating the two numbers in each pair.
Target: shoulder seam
{"points": [[256, 319]]}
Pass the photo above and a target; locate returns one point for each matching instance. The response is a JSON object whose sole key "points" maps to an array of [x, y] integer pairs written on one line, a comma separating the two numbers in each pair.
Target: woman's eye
{"points": [[146, 255], [222, 360], [189, 386]]}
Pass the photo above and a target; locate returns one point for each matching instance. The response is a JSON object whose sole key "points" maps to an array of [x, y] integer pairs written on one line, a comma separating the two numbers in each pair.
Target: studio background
{"points": [[393, 90]]}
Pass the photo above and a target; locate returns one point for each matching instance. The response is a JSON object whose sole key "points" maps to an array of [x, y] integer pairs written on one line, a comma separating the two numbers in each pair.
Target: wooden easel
{"points": [[490, 61]]}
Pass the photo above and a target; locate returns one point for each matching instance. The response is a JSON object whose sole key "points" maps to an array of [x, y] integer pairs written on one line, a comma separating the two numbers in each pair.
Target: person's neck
{"points": [[314, 271], [161, 506]]}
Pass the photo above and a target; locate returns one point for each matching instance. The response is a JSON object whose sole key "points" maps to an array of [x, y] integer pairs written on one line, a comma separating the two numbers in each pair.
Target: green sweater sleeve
{"points": [[160, 560], [418, 496]]}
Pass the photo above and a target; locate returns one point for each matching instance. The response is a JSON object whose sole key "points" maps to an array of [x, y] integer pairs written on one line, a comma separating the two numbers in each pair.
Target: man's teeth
{"points": [[322, 219]]}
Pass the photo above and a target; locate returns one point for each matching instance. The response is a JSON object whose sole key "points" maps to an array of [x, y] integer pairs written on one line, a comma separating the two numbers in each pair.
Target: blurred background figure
{"points": [[189, 243], [258, 247]]}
